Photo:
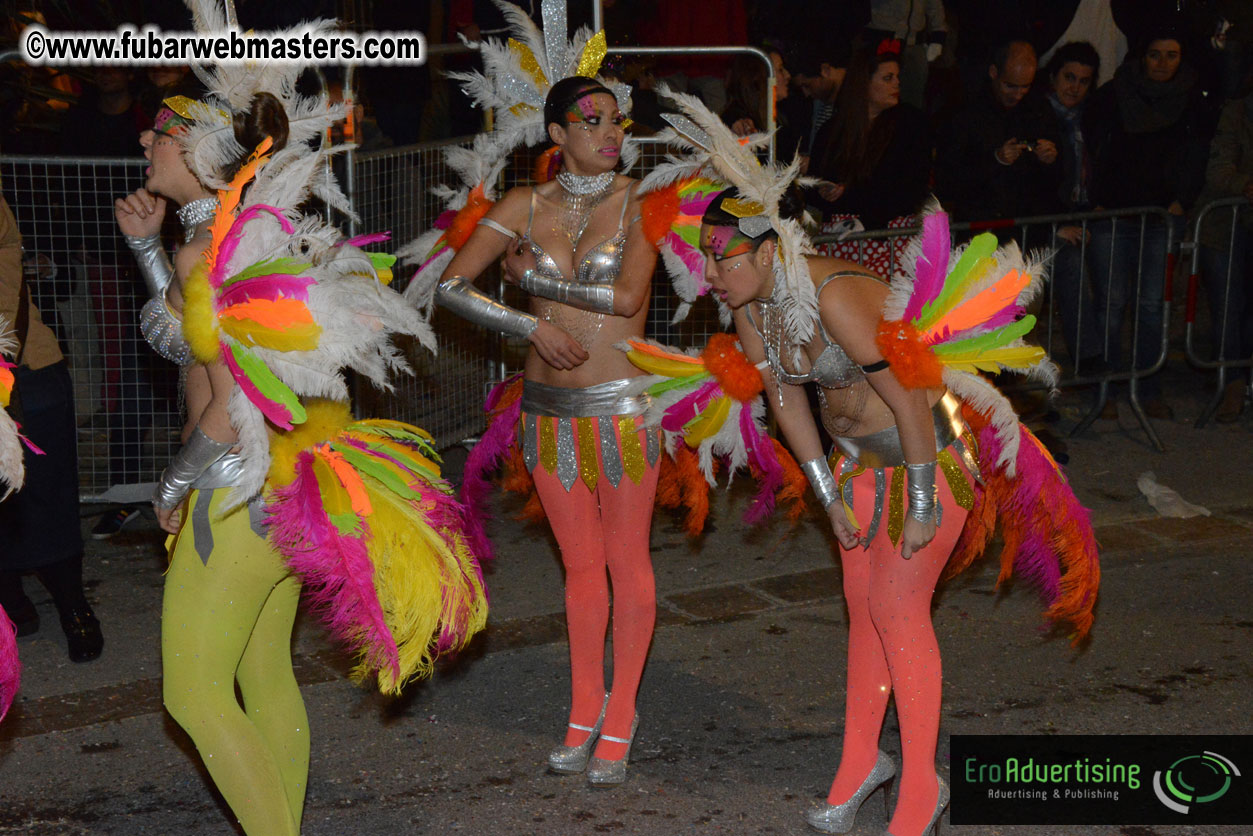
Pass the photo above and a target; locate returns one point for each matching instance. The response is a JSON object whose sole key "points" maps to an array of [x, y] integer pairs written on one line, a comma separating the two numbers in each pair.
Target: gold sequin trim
{"points": [[957, 483], [589, 464], [896, 505], [593, 54], [548, 443], [632, 453], [530, 65]]}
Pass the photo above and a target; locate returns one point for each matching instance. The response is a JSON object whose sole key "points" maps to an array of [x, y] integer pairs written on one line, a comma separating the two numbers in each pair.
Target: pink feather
{"points": [[932, 266], [273, 286], [761, 456], [275, 411], [367, 239], [337, 573], [10, 666], [689, 407], [228, 246], [484, 459]]}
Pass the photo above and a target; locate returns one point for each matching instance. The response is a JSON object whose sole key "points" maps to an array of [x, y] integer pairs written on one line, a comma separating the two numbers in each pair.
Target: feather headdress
{"points": [[517, 75], [713, 151]]}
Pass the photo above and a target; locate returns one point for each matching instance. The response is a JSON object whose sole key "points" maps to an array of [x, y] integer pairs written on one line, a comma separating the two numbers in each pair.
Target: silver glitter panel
{"points": [[202, 531], [689, 129], [610, 456], [608, 398], [556, 44], [939, 512], [880, 490], [754, 225], [567, 459], [515, 89], [654, 446], [847, 466], [530, 442], [164, 332], [226, 472]]}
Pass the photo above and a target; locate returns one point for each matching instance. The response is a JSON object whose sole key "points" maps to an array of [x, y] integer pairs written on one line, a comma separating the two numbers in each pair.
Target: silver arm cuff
{"points": [[818, 472], [597, 298], [154, 264], [195, 457], [466, 301], [920, 486], [164, 331]]}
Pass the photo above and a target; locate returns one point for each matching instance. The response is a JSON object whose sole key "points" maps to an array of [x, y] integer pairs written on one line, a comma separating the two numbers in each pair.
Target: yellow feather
{"points": [[710, 421], [1013, 357], [200, 321], [664, 367], [324, 420], [421, 584], [299, 337]]}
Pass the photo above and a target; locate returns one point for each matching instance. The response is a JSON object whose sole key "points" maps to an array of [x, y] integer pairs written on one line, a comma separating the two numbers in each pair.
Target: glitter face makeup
{"points": [[725, 242], [170, 123]]}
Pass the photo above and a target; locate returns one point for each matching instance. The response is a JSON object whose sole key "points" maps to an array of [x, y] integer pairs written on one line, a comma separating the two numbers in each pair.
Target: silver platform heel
{"points": [[933, 826], [607, 773], [839, 818], [571, 760]]}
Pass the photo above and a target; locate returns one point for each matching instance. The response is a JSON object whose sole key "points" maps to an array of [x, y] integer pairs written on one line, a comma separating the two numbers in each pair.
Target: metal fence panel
{"points": [[84, 282]]}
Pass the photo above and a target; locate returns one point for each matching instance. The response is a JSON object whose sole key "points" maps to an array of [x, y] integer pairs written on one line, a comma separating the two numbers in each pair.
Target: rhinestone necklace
{"points": [[580, 195], [191, 215]]}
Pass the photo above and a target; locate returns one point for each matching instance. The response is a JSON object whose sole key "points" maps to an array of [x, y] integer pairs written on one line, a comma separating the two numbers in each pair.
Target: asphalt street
{"points": [[742, 701]]}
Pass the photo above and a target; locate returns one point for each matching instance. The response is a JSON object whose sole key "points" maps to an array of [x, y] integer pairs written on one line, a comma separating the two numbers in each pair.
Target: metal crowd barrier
{"points": [[1133, 231], [83, 280], [1230, 274]]}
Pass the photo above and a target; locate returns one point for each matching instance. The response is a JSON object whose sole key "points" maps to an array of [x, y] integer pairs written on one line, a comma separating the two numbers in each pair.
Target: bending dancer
{"points": [[574, 243], [897, 397]]}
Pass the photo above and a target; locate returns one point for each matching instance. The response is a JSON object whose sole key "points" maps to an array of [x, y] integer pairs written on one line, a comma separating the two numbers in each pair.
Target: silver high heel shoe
{"points": [[607, 773], [571, 760], [941, 802], [839, 818]]}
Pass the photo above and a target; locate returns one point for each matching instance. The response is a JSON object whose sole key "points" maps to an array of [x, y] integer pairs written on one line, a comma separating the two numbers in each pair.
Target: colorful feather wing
{"points": [[10, 666]]}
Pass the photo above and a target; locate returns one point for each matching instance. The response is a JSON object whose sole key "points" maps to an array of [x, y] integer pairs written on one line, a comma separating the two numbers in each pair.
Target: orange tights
{"points": [[597, 530], [892, 648]]}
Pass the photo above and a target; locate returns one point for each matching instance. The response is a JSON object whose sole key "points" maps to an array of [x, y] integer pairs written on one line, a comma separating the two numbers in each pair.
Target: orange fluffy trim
{"points": [[657, 213], [795, 485], [467, 218], [682, 484], [912, 360], [546, 165], [738, 377]]}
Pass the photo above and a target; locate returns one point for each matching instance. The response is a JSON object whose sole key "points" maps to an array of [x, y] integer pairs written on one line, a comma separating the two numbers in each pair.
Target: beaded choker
{"points": [[579, 184], [193, 214]]}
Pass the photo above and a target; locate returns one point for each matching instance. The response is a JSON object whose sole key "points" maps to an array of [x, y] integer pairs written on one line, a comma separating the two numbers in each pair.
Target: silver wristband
{"points": [[920, 486], [818, 472], [193, 459], [463, 299], [154, 264], [597, 298]]}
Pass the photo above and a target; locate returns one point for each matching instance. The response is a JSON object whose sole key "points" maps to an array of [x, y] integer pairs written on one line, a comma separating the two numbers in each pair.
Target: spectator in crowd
{"points": [[1072, 74], [1148, 131], [876, 157], [39, 525], [1224, 238], [107, 123], [997, 157], [747, 98], [819, 77], [161, 83], [710, 23], [921, 29]]}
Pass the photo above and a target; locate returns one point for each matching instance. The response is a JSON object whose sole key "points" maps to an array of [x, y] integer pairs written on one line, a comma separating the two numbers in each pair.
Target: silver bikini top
{"points": [[601, 264], [832, 369]]}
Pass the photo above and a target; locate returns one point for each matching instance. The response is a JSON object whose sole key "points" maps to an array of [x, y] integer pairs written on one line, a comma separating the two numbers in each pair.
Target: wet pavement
{"points": [[742, 701]]}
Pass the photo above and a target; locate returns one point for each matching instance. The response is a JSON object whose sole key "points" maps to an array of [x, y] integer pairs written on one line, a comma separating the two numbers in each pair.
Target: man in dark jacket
{"points": [[998, 157]]}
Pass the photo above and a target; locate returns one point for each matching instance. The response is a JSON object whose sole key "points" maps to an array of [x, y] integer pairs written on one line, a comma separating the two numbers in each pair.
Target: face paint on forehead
{"points": [[170, 123], [727, 242]]}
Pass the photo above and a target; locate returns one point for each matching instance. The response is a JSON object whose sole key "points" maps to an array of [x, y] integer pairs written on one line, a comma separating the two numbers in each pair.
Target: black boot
{"points": [[82, 633]]}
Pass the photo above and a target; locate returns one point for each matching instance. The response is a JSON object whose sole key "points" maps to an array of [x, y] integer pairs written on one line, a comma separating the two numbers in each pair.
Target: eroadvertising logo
{"points": [[1211, 772], [1101, 779]]}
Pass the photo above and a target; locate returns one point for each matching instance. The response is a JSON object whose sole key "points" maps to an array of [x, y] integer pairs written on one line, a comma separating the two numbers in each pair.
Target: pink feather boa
{"points": [[10, 667]]}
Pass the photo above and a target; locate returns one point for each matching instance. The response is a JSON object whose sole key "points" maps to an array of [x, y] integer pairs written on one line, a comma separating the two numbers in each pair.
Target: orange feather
{"points": [[979, 309]]}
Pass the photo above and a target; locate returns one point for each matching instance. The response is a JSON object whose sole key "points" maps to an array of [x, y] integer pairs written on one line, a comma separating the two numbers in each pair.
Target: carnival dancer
{"points": [[574, 243], [914, 430], [276, 483]]}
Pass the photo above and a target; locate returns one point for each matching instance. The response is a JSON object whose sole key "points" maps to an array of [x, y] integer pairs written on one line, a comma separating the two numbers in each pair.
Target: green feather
{"points": [[981, 246], [287, 266], [370, 467], [993, 339], [265, 381], [678, 383]]}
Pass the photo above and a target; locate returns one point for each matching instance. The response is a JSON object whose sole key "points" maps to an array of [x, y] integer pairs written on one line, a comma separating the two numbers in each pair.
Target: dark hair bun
{"points": [[265, 117], [792, 204]]}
